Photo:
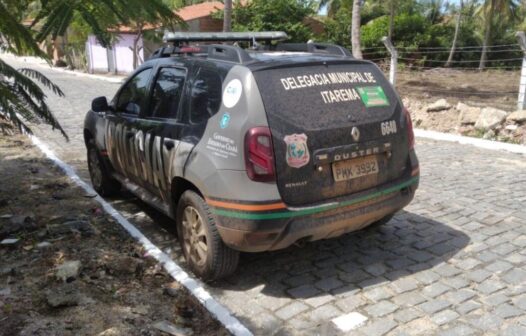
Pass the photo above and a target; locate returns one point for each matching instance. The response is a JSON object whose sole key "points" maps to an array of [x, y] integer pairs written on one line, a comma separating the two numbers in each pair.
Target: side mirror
{"points": [[100, 104]]}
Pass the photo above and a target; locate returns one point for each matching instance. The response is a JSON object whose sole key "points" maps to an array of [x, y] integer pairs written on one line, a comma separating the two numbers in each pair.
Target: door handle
{"points": [[169, 144]]}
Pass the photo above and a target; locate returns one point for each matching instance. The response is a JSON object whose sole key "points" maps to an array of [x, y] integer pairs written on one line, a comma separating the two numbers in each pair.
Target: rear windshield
{"points": [[324, 96]]}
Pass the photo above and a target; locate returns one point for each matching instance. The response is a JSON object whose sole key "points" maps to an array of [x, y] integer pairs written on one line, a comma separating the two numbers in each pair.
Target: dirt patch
{"points": [[496, 88], [66, 268]]}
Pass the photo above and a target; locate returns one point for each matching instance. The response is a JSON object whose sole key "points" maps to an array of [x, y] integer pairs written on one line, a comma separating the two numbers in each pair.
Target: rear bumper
{"points": [[259, 231]]}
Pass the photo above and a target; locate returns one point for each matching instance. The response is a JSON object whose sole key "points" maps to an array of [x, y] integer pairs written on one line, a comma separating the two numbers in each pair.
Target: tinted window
{"points": [[134, 93], [167, 93], [205, 96]]}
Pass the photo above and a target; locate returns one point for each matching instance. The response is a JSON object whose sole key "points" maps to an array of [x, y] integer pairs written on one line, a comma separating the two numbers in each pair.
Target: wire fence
{"points": [[422, 74]]}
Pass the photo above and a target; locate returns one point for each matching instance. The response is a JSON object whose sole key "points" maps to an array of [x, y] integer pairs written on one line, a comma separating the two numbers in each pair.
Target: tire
{"points": [[102, 181], [196, 230]]}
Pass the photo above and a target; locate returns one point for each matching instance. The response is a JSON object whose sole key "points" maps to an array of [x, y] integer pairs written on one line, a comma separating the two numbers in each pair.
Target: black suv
{"points": [[255, 149]]}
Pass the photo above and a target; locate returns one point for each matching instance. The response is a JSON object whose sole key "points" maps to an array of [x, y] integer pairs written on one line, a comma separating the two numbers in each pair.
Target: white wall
{"points": [[122, 54]]}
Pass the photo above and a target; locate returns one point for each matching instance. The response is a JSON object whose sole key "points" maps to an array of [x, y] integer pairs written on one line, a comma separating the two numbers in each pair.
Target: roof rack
{"points": [[220, 52], [178, 37], [318, 48]]}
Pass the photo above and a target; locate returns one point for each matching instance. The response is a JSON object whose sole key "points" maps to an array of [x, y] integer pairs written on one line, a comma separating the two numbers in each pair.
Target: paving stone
{"points": [[291, 310], [489, 286], [444, 317], [407, 315], [515, 276], [487, 256], [514, 330], [446, 270], [378, 293], [459, 296], [376, 269], [431, 307], [468, 264], [468, 307], [488, 321], [435, 289], [499, 266], [328, 284], [478, 276], [379, 327], [319, 300], [520, 302], [303, 292], [404, 285], [350, 303], [409, 299], [427, 277], [506, 310], [504, 249], [354, 277], [420, 326], [299, 280], [324, 313], [495, 299], [349, 321], [459, 330], [381, 308]]}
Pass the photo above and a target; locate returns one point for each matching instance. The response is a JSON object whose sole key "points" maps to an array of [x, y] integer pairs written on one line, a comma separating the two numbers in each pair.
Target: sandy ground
{"points": [[495, 88], [113, 288]]}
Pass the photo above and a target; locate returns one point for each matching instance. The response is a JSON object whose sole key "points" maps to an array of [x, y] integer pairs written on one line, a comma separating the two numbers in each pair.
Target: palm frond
{"points": [[19, 39], [43, 80], [21, 100]]}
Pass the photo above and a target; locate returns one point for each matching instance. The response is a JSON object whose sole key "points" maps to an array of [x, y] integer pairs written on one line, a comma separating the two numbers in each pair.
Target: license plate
{"points": [[355, 168]]}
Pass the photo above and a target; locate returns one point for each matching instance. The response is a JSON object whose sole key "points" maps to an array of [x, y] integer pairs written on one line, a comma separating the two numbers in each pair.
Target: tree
{"points": [[21, 99], [489, 11], [227, 19], [455, 37], [355, 29], [284, 15]]}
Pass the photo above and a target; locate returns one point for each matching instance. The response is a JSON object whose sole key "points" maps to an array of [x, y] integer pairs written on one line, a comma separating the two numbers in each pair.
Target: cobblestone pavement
{"points": [[452, 263]]}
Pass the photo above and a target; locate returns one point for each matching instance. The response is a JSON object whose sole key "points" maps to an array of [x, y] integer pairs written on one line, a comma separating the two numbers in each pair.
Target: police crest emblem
{"points": [[297, 150]]}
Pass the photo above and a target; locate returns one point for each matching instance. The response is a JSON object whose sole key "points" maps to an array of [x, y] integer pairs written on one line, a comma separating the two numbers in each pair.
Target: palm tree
{"points": [[455, 36], [489, 11], [21, 99], [355, 29]]}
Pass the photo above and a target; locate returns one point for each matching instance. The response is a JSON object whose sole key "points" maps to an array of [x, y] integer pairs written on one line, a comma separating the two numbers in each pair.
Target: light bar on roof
{"points": [[224, 37]]}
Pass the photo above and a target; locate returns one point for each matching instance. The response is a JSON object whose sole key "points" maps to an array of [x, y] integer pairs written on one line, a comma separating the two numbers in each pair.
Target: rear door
{"points": [[337, 129]]}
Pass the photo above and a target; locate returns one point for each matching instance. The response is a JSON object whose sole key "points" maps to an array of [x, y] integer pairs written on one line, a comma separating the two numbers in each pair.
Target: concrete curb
{"points": [[194, 286], [464, 140]]}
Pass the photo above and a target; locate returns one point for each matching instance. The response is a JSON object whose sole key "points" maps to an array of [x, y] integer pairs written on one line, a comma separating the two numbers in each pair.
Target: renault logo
{"points": [[355, 133]]}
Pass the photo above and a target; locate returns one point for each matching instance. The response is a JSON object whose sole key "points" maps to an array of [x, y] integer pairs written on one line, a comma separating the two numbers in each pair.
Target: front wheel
{"points": [[102, 181], [204, 250]]}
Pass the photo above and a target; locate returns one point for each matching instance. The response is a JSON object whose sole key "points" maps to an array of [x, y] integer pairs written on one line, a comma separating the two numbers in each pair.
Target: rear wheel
{"points": [[204, 250], [101, 179]]}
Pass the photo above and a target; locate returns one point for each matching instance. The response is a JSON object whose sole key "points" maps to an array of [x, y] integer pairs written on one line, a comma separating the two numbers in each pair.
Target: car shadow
{"points": [[408, 244]]}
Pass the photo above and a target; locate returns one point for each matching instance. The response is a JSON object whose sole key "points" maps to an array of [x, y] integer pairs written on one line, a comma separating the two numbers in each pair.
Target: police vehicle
{"points": [[255, 144]]}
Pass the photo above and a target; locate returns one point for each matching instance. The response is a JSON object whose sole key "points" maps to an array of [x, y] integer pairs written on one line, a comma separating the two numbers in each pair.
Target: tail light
{"points": [[259, 155], [410, 133]]}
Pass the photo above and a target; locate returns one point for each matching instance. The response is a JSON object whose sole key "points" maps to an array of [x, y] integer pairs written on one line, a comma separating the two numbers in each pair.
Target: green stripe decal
{"points": [[311, 211]]}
